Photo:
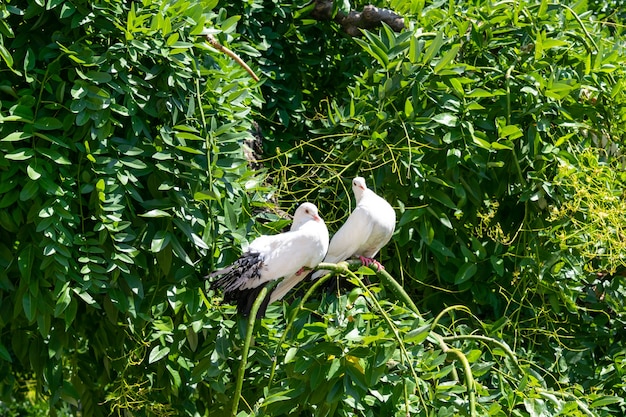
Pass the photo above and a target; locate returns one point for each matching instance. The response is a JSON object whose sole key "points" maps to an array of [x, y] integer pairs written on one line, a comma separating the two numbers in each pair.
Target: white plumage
{"points": [[368, 228], [269, 258]]}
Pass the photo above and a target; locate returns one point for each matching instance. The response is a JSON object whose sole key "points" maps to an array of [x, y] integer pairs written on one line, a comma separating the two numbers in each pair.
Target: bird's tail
{"points": [[235, 282]]}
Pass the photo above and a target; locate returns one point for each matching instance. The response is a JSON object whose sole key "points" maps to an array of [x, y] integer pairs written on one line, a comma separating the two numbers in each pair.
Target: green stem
{"points": [[316, 284], [567, 396], [397, 290], [487, 340], [580, 23], [507, 78], [246, 348], [395, 287], [210, 159], [467, 370], [374, 300], [446, 311]]}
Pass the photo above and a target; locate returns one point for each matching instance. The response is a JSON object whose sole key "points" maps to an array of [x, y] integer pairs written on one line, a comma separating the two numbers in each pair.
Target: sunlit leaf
{"points": [[157, 353]]}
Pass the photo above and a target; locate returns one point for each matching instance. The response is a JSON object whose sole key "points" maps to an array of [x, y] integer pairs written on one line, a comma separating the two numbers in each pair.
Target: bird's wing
{"points": [[286, 285], [383, 225], [285, 254], [316, 238], [349, 238]]}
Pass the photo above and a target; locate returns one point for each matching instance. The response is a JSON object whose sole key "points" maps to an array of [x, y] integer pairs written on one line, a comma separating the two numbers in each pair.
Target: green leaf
{"points": [[290, 355], [180, 251], [155, 213], [536, 407], [433, 48], [375, 51], [98, 77], [447, 58], [20, 155], [467, 271], [442, 197], [206, 195], [418, 335], [34, 171], [29, 191], [133, 163], [160, 240], [25, 260], [190, 150], [4, 354], [189, 136], [54, 155], [553, 43], [479, 139], [48, 123], [29, 304], [87, 298], [408, 107], [63, 301], [229, 25], [67, 10], [157, 353], [607, 400], [70, 313], [6, 56], [415, 49], [497, 264], [16, 137], [437, 246], [364, 270], [446, 119]]}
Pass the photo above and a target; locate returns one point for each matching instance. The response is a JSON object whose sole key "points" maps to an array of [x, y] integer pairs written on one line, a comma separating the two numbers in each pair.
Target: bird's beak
{"points": [[317, 218]]}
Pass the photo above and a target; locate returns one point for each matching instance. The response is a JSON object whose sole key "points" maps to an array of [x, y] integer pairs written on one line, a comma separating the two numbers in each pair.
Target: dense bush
{"points": [[121, 168], [494, 128]]}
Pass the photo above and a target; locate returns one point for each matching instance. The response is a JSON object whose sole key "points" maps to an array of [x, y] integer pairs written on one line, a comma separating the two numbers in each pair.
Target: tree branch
{"points": [[353, 22], [214, 43]]}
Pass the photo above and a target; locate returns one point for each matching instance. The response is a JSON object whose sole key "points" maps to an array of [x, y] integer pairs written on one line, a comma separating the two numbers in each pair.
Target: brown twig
{"points": [[214, 43]]}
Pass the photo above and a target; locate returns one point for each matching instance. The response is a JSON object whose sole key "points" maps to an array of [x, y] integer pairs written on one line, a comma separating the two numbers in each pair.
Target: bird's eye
{"points": [[306, 211]]}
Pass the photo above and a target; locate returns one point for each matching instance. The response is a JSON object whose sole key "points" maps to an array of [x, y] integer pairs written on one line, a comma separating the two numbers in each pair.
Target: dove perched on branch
{"points": [[268, 258], [368, 228]]}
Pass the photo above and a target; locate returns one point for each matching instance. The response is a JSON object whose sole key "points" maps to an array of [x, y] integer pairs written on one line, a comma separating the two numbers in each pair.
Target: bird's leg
{"points": [[369, 261], [300, 271]]}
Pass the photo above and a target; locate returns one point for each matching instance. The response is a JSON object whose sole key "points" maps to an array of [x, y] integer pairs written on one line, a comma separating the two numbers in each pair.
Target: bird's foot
{"points": [[370, 261], [300, 271]]}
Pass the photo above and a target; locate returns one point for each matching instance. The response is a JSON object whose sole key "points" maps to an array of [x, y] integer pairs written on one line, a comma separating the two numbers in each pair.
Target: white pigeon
{"points": [[269, 258], [368, 228]]}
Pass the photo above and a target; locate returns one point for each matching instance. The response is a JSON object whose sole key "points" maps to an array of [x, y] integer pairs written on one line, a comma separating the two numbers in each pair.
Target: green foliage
{"points": [[494, 128], [121, 168], [26, 408], [465, 122], [588, 221]]}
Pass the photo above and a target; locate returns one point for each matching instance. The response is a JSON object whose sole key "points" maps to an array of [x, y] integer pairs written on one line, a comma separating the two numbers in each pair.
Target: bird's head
{"points": [[304, 213], [358, 187]]}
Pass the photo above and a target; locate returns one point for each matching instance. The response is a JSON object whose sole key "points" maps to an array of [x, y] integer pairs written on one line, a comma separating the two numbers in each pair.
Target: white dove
{"points": [[368, 228], [269, 258]]}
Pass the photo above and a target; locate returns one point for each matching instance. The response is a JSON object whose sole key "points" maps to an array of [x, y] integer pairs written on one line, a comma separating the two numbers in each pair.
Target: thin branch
{"points": [[214, 43], [246, 348]]}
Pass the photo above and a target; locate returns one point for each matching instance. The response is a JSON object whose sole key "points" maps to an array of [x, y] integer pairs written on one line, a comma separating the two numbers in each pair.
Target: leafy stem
{"points": [[246, 348]]}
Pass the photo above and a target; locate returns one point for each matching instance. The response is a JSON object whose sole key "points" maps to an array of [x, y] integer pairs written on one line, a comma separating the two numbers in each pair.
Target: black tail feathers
{"points": [[234, 277]]}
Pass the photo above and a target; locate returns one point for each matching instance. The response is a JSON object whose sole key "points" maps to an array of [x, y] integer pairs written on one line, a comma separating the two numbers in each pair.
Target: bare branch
{"points": [[353, 22]]}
